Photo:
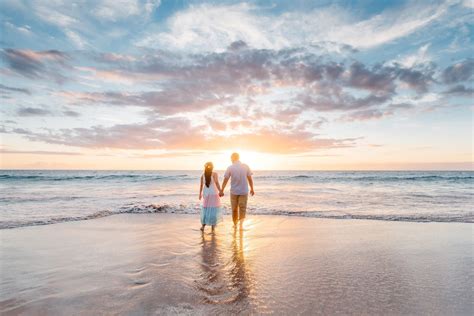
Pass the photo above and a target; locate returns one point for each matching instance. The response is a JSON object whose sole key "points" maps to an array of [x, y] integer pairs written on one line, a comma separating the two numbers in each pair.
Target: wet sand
{"points": [[162, 264]]}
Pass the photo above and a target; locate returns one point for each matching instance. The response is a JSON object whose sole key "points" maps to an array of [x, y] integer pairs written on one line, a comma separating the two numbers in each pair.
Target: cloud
{"points": [[373, 114], [75, 38], [114, 10], [33, 111], [340, 102], [30, 111], [460, 90], [127, 136], [39, 152], [468, 3], [388, 25], [7, 90], [79, 20], [173, 154], [212, 28], [182, 134], [417, 78], [54, 14], [25, 29], [196, 82], [71, 113], [261, 99], [36, 64], [169, 101], [461, 71], [365, 115], [420, 57], [379, 79]]}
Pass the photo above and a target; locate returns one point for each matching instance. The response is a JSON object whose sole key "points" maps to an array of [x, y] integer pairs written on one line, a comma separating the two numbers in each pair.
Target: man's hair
{"points": [[235, 156]]}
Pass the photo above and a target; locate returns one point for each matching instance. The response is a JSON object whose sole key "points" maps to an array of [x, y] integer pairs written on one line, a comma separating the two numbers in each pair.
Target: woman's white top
{"points": [[212, 189]]}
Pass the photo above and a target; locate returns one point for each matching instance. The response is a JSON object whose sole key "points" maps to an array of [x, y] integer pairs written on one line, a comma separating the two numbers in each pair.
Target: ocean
{"points": [[40, 197]]}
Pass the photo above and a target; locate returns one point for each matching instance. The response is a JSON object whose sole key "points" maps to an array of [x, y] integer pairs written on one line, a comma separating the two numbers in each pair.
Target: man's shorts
{"points": [[239, 206]]}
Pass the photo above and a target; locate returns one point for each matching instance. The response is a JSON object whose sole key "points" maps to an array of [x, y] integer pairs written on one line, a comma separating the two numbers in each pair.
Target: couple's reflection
{"points": [[224, 278], [238, 272], [211, 282]]}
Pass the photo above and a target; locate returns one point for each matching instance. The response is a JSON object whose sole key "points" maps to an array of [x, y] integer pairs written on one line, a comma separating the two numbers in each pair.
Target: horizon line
{"points": [[322, 170]]}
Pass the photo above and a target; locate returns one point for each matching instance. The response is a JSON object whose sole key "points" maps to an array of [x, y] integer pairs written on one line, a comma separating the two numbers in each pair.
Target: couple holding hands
{"points": [[210, 192]]}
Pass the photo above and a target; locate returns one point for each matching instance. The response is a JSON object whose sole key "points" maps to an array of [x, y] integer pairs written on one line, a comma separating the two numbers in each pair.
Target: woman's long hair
{"points": [[208, 167]]}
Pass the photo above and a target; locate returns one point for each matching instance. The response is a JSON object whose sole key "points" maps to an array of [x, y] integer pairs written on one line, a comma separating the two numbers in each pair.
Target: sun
{"points": [[255, 160]]}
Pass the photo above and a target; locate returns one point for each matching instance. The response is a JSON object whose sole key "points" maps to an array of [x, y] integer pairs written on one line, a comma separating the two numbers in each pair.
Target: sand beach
{"points": [[155, 264]]}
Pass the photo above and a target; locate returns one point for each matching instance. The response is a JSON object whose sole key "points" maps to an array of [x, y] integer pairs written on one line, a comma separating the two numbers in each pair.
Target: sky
{"points": [[292, 85]]}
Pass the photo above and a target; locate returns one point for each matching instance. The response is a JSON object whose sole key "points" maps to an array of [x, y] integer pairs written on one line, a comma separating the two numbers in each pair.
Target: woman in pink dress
{"points": [[211, 212]]}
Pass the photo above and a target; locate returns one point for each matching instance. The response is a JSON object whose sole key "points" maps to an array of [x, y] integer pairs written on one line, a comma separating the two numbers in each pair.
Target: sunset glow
{"points": [[173, 84]]}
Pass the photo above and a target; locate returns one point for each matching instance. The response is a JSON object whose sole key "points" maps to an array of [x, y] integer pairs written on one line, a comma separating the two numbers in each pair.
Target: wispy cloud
{"points": [[36, 64], [239, 87], [213, 27], [460, 90], [164, 134], [460, 71], [195, 76], [30, 111], [39, 152], [420, 57], [78, 20], [200, 81], [24, 29], [7, 89]]}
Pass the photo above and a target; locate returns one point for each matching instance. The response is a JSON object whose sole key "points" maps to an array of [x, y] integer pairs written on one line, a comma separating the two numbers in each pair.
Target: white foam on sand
{"points": [[161, 264]]}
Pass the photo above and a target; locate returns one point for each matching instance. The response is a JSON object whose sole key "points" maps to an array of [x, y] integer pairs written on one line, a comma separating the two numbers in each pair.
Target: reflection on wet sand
{"points": [[225, 277], [211, 277], [238, 273], [276, 266]]}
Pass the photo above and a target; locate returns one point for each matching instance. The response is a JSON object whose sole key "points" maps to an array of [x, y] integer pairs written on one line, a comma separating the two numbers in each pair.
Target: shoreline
{"points": [[165, 209], [162, 264]]}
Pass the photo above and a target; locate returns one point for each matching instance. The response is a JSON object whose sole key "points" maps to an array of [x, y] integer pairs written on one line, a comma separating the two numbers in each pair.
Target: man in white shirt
{"points": [[240, 178]]}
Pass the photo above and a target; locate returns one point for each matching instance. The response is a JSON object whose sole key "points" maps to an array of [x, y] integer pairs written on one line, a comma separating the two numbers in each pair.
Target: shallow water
{"points": [[43, 197], [162, 264]]}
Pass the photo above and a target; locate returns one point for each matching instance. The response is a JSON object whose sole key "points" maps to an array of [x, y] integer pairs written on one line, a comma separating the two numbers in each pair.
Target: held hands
{"points": [[221, 193]]}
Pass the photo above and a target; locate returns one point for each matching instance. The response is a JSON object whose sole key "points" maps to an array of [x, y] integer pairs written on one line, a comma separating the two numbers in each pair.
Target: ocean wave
{"points": [[378, 178], [312, 177], [151, 177], [183, 210]]}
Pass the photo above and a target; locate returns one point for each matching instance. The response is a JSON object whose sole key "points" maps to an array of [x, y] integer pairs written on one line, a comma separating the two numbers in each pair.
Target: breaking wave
{"points": [[343, 177], [137, 177], [182, 209]]}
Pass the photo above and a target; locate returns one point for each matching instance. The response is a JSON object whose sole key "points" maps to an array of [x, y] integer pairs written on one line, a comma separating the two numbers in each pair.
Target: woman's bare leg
{"points": [[202, 227]]}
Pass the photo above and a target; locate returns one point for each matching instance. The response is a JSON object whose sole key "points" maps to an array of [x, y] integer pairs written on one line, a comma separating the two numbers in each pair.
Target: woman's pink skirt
{"points": [[211, 212]]}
